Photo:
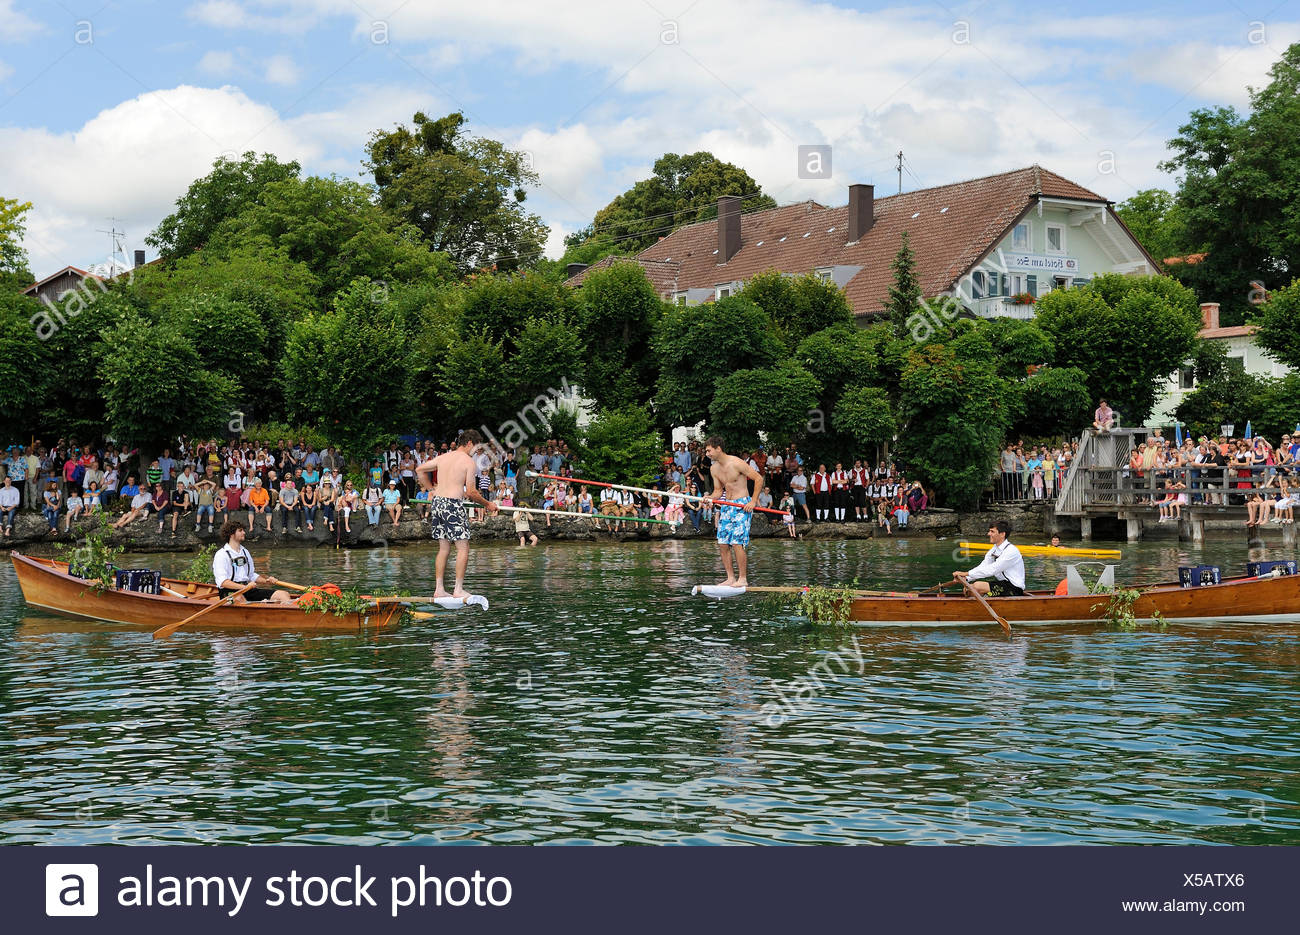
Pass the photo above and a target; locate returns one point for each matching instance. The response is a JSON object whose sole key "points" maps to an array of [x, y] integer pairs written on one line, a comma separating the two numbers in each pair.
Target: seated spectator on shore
{"points": [[421, 502], [1104, 419], [693, 506], [10, 499], [259, 504], [347, 503], [1257, 509], [141, 500], [585, 504], [310, 504], [162, 504], [883, 517], [75, 506], [108, 492], [900, 511], [182, 503], [92, 500], [288, 507], [1284, 505], [393, 501], [373, 500], [325, 496], [675, 512], [609, 506], [51, 503]]}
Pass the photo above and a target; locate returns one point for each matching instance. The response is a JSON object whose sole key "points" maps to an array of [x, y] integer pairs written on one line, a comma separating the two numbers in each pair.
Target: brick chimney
{"points": [[573, 269], [728, 227], [862, 206], [1209, 314]]}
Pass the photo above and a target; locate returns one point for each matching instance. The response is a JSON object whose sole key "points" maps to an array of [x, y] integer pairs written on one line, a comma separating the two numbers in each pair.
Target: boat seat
{"points": [[191, 588]]}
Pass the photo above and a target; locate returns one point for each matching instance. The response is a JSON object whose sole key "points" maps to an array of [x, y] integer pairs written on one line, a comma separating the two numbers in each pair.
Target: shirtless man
{"points": [[448, 513], [729, 476]]}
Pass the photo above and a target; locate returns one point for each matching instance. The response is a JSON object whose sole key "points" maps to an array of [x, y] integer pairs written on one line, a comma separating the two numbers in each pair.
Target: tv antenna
{"points": [[116, 248]]}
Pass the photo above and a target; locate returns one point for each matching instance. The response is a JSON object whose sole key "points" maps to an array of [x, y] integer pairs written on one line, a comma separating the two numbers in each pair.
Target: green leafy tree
{"points": [[1017, 345], [798, 306], [25, 367], [155, 387], [683, 190], [1279, 325], [955, 412], [905, 290], [1156, 220], [1098, 338], [1233, 396], [475, 383], [1056, 401], [464, 194], [333, 228], [345, 370], [622, 444], [501, 306], [865, 417], [698, 345], [549, 355], [229, 336], [13, 227], [1277, 407], [228, 189], [1240, 191], [773, 401], [618, 312]]}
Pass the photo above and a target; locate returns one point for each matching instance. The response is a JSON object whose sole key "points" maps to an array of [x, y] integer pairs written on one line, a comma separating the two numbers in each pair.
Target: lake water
{"points": [[597, 702]]}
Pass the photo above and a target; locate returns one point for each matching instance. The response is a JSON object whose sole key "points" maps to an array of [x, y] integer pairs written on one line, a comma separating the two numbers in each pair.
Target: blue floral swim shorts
{"points": [[733, 524]]}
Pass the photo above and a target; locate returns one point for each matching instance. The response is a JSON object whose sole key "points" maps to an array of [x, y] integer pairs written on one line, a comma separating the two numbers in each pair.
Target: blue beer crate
{"points": [[1197, 576], [1258, 569], [139, 579]]}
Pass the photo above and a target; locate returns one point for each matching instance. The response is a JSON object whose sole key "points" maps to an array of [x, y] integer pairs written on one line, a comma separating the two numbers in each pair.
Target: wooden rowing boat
{"points": [[46, 584], [1060, 551], [1236, 600]]}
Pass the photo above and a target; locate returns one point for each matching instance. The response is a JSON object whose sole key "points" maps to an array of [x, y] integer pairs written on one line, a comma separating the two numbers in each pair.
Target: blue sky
{"points": [[112, 108]]}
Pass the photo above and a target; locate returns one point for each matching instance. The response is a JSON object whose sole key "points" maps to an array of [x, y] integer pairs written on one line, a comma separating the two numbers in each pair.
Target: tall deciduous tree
{"points": [[155, 387], [1156, 220], [697, 345], [682, 190], [798, 306], [622, 444], [465, 194], [228, 189], [619, 311], [1279, 325], [346, 370], [774, 401], [865, 417], [25, 371], [13, 227], [1240, 191], [1098, 338]]}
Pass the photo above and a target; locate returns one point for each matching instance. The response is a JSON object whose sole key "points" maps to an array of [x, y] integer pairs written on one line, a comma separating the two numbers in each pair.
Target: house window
{"points": [[824, 273], [722, 291], [977, 284], [1236, 363], [1186, 378], [1055, 238], [1017, 284], [679, 298], [1020, 236], [1031, 285]]}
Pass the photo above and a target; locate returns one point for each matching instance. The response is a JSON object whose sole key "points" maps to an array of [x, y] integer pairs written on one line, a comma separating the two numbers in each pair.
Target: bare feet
{"points": [[440, 592], [462, 594], [729, 583], [742, 583]]}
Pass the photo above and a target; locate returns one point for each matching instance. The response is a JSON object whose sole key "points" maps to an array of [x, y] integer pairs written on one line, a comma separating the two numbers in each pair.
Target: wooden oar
{"points": [[654, 493], [163, 632], [993, 613]]}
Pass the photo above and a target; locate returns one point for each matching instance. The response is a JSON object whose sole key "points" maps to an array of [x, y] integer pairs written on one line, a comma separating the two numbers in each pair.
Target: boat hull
{"points": [[46, 584], [1241, 600]]}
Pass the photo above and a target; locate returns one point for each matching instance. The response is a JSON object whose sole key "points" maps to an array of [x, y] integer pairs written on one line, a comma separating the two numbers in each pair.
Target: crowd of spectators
{"points": [[200, 483]]}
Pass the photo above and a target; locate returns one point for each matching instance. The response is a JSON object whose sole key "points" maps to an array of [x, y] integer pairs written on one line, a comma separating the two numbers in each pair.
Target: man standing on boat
{"points": [[730, 482], [232, 568], [1002, 573], [456, 473]]}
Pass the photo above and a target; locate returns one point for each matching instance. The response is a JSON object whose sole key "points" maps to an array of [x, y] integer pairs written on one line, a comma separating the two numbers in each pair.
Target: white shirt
{"points": [[1002, 562], [224, 566], [9, 497]]}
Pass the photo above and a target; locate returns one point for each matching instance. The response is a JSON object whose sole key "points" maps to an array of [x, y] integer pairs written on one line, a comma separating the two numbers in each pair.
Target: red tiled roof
{"points": [[1228, 331], [802, 237], [661, 273], [1191, 259]]}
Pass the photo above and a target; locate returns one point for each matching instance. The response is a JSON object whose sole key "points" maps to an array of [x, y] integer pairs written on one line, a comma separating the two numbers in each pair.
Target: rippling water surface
{"points": [[597, 702]]}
